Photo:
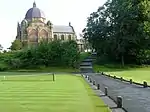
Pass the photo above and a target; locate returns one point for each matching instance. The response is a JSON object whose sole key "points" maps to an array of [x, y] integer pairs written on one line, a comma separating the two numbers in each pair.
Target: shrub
{"points": [[55, 53], [3, 67]]}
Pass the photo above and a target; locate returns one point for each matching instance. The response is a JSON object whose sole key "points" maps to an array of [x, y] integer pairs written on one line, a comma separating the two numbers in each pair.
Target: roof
{"points": [[63, 29], [34, 13]]}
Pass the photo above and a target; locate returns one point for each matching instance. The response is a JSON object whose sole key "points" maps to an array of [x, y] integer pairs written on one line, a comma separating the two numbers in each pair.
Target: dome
{"points": [[34, 13]]}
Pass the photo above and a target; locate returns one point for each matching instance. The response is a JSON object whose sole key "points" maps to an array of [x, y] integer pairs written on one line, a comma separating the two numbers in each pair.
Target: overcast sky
{"points": [[59, 12]]}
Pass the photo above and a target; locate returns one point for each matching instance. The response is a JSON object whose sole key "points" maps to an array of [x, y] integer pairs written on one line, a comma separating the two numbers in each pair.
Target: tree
{"points": [[120, 29], [16, 45], [1, 47]]}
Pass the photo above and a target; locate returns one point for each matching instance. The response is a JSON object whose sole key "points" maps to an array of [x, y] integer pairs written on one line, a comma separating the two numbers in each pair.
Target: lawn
{"points": [[137, 73], [30, 92]]}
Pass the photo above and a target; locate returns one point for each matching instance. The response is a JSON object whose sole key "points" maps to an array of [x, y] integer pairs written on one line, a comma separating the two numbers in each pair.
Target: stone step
{"points": [[86, 64], [86, 67]]}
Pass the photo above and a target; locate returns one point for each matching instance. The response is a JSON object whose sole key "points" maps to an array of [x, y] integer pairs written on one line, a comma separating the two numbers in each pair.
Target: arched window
{"points": [[43, 34], [62, 37], [33, 36], [69, 37], [55, 37]]}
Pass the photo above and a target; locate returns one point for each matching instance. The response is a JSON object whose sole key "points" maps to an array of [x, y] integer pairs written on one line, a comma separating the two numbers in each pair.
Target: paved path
{"points": [[135, 98], [110, 103]]}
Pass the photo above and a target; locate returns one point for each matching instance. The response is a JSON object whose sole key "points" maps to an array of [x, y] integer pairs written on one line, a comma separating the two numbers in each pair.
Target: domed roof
{"points": [[34, 13]]}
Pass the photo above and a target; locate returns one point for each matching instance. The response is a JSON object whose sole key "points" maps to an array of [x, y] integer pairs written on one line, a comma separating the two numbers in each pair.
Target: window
{"points": [[55, 37], [69, 37], [62, 37]]}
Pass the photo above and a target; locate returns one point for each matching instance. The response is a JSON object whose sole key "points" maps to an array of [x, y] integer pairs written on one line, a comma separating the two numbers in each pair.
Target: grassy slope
{"points": [[137, 73], [67, 94], [84, 55]]}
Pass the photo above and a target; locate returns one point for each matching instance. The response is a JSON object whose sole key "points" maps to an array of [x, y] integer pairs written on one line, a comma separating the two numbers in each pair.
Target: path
{"points": [[135, 98]]}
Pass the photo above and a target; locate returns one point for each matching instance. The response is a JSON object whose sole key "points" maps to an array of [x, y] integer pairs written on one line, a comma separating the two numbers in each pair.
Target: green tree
{"points": [[1, 47], [54, 53], [120, 29], [16, 45]]}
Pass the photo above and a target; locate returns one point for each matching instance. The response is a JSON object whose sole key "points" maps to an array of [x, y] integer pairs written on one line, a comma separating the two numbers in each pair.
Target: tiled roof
{"points": [[63, 29]]}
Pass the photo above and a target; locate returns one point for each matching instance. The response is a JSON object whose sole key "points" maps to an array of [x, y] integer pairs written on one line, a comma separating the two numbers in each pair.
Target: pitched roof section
{"points": [[63, 29]]}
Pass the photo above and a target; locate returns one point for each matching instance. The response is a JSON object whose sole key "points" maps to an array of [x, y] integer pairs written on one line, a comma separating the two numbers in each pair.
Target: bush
{"points": [[52, 54], [55, 53], [3, 67]]}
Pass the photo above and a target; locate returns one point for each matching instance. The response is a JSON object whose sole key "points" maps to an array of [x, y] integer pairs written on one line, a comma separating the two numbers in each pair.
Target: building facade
{"points": [[34, 28]]}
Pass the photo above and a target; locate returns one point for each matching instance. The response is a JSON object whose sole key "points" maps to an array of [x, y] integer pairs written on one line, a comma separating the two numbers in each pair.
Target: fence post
{"points": [[94, 82], [145, 84], [98, 86], [90, 80], [121, 79], [131, 81], [53, 77], [114, 77], [119, 102], [106, 91]]}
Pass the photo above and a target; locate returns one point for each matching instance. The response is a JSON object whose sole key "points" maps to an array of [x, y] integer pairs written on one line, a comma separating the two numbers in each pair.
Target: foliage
{"points": [[46, 54], [120, 30], [16, 45], [84, 55], [3, 67], [1, 47], [5, 60]]}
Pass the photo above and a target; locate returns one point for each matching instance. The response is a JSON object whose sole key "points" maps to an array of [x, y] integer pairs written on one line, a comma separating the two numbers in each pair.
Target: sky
{"points": [[59, 12]]}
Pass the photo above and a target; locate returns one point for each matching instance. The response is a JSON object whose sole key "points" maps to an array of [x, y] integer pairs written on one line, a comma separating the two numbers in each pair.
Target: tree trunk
{"points": [[122, 60]]}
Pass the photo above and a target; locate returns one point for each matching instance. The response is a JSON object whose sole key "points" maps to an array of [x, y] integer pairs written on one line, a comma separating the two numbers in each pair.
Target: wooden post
{"points": [[94, 82], [145, 84], [119, 102], [106, 91], [98, 86], [131, 81], [90, 80], [121, 79], [53, 77], [85, 76], [114, 77]]}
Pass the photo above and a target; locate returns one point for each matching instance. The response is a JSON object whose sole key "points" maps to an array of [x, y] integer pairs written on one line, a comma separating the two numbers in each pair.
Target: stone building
{"points": [[35, 28]]}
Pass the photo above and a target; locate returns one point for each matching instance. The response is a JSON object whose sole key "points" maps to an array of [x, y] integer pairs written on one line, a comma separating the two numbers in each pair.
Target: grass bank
{"points": [[137, 73], [84, 55]]}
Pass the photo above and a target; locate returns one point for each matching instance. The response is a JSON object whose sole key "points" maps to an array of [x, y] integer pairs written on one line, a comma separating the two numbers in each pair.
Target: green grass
{"points": [[137, 73], [84, 55], [28, 93]]}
